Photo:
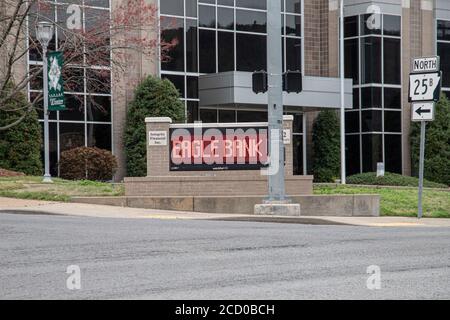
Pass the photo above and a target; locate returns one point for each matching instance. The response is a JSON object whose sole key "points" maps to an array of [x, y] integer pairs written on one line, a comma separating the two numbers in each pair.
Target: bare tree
{"points": [[93, 47]]}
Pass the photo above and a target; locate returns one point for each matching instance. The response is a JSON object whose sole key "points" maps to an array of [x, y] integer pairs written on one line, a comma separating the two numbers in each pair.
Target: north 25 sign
{"points": [[201, 148]]}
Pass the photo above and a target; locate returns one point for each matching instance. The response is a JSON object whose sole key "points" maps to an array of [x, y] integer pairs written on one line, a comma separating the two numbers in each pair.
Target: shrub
{"points": [[390, 179], [89, 163], [326, 151], [153, 98], [437, 146], [20, 145]]}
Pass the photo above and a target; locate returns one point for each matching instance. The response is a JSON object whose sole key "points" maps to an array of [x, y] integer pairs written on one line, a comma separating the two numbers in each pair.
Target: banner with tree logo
{"points": [[56, 100]]}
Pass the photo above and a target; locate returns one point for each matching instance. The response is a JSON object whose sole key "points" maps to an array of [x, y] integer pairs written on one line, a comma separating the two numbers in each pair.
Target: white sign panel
{"points": [[286, 136], [424, 87], [157, 138], [423, 111], [426, 64]]}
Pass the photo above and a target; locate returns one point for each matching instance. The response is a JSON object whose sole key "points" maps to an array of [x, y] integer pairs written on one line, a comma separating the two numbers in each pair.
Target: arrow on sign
{"points": [[420, 111]]}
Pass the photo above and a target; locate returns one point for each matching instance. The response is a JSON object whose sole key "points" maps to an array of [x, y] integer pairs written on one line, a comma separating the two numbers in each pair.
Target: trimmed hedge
{"points": [[153, 98], [390, 179], [87, 163]]}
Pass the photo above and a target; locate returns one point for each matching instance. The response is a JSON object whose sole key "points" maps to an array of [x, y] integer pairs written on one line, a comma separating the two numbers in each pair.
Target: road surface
{"points": [[195, 259]]}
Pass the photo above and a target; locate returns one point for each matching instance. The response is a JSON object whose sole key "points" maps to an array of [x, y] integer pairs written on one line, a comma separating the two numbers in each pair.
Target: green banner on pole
{"points": [[56, 100]]}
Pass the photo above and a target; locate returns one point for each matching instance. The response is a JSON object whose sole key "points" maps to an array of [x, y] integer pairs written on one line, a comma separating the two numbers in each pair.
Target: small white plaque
{"points": [[157, 138], [286, 136]]}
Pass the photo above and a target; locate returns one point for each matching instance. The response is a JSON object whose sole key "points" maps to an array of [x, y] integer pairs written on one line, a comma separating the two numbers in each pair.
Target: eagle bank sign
{"points": [[200, 147]]}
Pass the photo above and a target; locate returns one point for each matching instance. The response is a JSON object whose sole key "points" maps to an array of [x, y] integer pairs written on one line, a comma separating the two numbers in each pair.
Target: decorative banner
{"points": [[56, 100], [218, 147]]}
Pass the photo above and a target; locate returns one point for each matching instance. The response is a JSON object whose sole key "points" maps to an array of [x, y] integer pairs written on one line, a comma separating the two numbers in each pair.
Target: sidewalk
{"points": [[102, 211]]}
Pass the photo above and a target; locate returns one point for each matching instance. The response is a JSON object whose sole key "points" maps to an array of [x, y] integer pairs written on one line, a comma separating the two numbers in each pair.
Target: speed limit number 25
{"points": [[422, 87]]}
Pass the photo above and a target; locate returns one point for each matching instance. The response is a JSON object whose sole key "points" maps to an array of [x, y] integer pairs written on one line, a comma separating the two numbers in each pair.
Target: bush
{"points": [[326, 151], [153, 98], [390, 179], [20, 145], [87, 163], [437, 146]]}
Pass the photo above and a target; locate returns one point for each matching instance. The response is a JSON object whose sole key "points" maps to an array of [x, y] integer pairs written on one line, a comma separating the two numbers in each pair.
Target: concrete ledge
{"points": [[278, 209], [311, 205]]}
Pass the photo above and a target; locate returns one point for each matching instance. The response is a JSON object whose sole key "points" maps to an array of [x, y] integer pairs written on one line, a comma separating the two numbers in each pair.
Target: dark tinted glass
{"points": [[370, 97], [444, 53], [191, 8], [352, 152], [293, 54], [254, 4], [371, 60], [294, 6], [371, 121], [225, 18], [99, 135], [356, 98], [208, 115], [372, 147], [297, 156], [74, 108], [206, 1], [293, 25], [207, 16], [251, 21], [173, 7], [392, 98], [392, 121], [227, 116], [226, 2], [443, 30], [98, 108], [192, 87], [370, 24], [192, 111], [178, 82], [352, 60], [226, 51], [251, 116], [297, 124], [98, 81], [251, 52], [172, 29], [71, 135], [191, 46], [392, 61], [393, 153], [96, 3], [352, 122], [207, 51], [351, 26], [391, 25]]}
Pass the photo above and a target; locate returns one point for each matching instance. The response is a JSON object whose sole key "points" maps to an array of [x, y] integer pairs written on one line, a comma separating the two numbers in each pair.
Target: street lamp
{"points": [[44, 34]]}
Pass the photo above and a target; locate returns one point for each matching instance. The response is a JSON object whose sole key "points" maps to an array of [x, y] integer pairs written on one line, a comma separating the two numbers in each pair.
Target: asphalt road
{"points": [[163, 259]]}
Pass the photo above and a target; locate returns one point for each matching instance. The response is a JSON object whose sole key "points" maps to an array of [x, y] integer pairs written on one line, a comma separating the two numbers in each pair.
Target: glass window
{"points": [[251, 116], [293, 25], [393, 153], [207, 16], [372, 151], [226, 51], [251, 21], [71, 135], [391, 25], [98, 81], [96, 3], [74, 108], [356, 98], [297, 156], [370, 24], [352, 60], [392, 121], [371, 121], [192, 111], [74, 80], [251, 52], [371, 60], [392, 98], [178, 82], [226, 2], [370, 97], [294, 6], [352, 151], [225, 18], [443, 30], [392, 61], [37, 80], [172, 30], [172, 7], [351, 26], [253, 4], [352, 122], [98, 108], [444, 52], [297, 124], [208, 115], [99, 135], [293, 54], [207, 1], [191, 8], [227, 116], [191, 46], [207, 51], [192, 87]]}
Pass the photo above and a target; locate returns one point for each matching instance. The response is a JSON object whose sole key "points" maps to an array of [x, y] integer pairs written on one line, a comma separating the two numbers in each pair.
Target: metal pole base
{"points": [[47, 179]]}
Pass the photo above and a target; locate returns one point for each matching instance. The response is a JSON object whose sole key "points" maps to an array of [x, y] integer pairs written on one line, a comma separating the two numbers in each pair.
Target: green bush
{"points": [[20, 145], [326, 150], [88, 163], [390, 179], [153, 98], [437, 147]]}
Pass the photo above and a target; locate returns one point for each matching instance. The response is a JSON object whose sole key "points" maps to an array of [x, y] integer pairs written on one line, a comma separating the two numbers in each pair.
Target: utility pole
{"points": [[341, 69]]}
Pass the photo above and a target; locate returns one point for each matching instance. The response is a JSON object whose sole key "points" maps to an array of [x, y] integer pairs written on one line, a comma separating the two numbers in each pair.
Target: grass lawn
{"points": [[61, 190], [399, 201]]}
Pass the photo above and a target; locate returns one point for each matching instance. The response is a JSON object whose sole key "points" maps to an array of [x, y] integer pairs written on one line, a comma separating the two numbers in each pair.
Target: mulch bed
{"points": [[9, 173]]}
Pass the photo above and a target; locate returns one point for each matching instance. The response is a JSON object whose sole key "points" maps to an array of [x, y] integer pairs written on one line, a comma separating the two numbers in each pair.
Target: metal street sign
{"points": [[423, 111], [56, 100], [426, 64], [424, 86]]}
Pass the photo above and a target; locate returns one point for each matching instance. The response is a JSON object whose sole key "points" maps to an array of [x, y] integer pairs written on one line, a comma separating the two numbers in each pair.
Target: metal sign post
{"points": [[424, 91]]}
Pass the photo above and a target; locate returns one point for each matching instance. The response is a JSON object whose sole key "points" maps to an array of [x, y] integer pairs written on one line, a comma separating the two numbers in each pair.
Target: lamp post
{"points": [[44, 34], [341, 57]]}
